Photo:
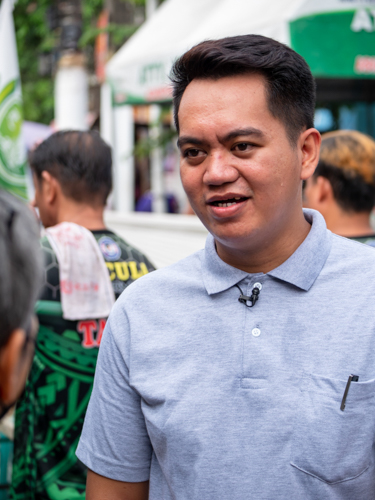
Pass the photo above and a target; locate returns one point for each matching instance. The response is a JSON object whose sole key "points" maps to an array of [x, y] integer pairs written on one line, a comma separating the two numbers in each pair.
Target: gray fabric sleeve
{"points": [[114, 441]]}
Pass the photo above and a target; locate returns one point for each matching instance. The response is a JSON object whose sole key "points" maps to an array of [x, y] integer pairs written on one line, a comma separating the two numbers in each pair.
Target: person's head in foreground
{"points": [[244, 109], [343, 185], [72, 172], [20, 280]]}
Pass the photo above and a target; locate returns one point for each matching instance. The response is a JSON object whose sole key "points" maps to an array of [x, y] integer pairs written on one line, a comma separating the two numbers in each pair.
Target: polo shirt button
{"points": [[256, 332]]}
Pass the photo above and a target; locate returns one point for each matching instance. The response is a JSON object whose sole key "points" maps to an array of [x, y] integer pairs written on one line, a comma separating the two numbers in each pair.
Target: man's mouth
{"points": [[227, 203]]}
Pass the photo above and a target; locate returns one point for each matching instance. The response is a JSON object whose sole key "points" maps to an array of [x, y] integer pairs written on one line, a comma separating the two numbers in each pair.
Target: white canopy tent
{"points": [[138, 72], [336, 37]]}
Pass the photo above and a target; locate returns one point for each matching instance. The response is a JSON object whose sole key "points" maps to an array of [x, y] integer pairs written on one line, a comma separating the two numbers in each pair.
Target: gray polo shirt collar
{"points": [[301, 269]]}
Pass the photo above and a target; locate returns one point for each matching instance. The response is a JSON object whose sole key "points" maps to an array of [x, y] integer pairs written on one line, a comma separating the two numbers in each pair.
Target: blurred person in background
{"points": [[20, 280], [342, 187], [86, 267]]}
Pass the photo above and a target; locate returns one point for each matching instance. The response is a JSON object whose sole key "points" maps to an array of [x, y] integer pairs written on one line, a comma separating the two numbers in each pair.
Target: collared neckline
{"points": [[301, 269]]}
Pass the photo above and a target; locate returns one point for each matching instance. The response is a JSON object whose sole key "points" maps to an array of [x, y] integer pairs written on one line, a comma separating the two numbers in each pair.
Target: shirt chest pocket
{"points": [[330, 444]]}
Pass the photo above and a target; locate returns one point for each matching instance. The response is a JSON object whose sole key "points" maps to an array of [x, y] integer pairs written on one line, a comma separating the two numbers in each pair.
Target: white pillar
{"points": [[156, 163], [151, 6], [71, 93], [107, 130], [106, 114], [123, 160]]}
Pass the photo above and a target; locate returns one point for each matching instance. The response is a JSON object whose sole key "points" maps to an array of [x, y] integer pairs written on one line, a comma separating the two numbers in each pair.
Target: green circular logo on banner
{"points": [[12, 149], [11, 123]]}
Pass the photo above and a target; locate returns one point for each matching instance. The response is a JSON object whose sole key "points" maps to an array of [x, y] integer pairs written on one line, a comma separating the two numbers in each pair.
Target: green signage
{"points": [[12, 155], [337, 44]]}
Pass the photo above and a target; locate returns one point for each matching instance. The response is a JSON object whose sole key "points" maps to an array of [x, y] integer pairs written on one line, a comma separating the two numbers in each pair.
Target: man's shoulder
{"points": [[114, 247], [368, 240], [353, 255], [168, 279], [49, 255], [51, 278], [352, 246]]}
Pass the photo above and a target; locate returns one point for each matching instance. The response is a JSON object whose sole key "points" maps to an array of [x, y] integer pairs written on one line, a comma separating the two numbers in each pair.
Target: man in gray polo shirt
{"points": [[246, 371]]}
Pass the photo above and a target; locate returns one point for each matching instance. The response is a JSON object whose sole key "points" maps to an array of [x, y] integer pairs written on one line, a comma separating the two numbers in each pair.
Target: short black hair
{"points": [[290, 85], [80, 161], [347, 160], [20, 264]]}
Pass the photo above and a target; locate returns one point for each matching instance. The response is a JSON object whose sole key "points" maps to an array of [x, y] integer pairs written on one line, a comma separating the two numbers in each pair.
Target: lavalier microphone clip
{"points": [[244, 299]]}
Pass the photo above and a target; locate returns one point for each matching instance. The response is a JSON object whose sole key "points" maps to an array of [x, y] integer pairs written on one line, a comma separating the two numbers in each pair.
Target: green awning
{"points": [[337, 44]]}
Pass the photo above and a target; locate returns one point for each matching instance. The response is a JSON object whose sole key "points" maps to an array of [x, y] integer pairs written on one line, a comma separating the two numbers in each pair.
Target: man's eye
{"points": [[242, 146], [192, 153]]}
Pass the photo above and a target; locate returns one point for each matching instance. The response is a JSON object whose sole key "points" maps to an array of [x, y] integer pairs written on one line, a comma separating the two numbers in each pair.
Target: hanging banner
{"points": [[144, 83], [12, 151], [336, 37]]}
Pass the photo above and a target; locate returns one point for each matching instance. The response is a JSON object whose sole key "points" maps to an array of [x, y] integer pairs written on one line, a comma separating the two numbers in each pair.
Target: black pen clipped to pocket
{"points": [[352, 378]]}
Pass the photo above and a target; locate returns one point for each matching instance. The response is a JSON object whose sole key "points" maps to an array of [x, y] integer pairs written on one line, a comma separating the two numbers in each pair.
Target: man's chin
{"points": [[236, 240]]}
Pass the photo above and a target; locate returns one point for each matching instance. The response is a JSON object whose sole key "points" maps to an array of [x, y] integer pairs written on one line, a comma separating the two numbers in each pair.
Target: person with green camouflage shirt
{"points": [[72, 178]]}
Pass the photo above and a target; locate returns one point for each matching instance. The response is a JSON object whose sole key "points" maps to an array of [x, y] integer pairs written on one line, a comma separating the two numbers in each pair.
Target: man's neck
{"points": [[349, 224], [82, 214], [270, 253]]}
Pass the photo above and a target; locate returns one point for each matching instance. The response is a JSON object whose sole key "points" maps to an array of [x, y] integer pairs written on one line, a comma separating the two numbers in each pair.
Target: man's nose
{"points": [[219, 169]]}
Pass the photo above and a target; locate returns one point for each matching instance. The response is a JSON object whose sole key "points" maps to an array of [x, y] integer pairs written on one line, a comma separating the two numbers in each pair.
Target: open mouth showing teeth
{"points": [[227, 203]]}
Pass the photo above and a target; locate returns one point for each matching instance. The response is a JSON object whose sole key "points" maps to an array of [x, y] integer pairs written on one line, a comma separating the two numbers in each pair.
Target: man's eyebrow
{"points": [[232, 135], [181, 141], [243, 132]]}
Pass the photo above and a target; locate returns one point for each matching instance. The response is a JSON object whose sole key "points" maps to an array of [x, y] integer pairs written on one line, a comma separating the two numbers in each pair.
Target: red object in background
{"points": [[101, 47], [89, 328]]}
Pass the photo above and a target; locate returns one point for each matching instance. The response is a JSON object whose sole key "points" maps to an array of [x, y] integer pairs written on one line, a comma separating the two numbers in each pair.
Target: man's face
{"points": [[238, 167], [42, 201]]}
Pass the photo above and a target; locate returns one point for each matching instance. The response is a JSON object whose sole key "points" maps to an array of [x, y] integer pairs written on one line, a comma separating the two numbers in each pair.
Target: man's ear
{"points": [[309, 145], [50, 187], [14, 367]]}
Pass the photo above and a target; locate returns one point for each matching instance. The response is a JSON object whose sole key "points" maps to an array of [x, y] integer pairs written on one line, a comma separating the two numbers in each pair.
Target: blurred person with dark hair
{"points": [[20, 281], [86, 266], [247, 370], [343, 185], [73, 177]]}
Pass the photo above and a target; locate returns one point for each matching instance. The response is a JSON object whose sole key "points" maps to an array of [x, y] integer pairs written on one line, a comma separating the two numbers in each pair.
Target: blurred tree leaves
{"points": [[35, 39], [118, 32]]}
